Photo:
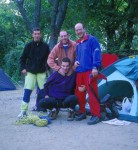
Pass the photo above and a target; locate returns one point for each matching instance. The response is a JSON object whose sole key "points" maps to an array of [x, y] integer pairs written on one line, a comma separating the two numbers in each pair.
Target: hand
{"points": [[70, 72], [94, 72], [46, 96], [76, 64], [61, 72], [24, 72], [82, 88]]}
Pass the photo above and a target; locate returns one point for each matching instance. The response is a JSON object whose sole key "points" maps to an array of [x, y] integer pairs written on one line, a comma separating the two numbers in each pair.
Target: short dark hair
{"points": [[36, 29], [66, 59]]}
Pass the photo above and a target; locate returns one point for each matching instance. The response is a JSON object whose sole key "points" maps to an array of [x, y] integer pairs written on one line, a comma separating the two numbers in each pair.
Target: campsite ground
{"points": [[61, 134]]}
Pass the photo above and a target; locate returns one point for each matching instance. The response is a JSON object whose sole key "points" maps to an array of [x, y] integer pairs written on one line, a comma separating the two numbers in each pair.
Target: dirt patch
{"points": [[61, 134]]}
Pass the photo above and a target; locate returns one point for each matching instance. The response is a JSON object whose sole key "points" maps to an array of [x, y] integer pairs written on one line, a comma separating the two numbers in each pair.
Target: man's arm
{"points": [[52, 59], [96, 54], [96, 57], [76, 63], [23, 60], [49, 81], [47, 54]]}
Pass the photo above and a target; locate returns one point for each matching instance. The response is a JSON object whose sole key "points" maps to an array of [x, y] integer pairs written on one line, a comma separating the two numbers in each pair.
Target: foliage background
{"points": [[113, 22]]}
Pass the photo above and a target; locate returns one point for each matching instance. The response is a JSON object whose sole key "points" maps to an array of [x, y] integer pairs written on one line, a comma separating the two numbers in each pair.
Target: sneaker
{"points": [[22, 114], [34, 108], [70, 115], [53, 114], [93, 120], [80, 116], [104, 116]]}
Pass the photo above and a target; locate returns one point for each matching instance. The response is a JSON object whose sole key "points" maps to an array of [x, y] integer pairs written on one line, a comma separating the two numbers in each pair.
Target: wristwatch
{"points": [[94, 68]]}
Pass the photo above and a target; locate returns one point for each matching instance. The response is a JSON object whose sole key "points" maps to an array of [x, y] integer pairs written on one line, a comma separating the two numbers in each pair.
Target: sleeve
{"points": [[23, 58], [74, 49], [52, 59], [76, 54], [47, 54], [49, 81], [96, 53]]}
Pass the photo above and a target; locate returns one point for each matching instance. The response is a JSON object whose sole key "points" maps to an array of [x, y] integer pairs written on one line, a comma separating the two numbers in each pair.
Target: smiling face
{"points": [[80, 31], [64, 38], [36, 36], [65, 67]]}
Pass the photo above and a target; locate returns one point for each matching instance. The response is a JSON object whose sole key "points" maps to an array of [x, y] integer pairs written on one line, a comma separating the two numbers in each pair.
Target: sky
{"points": [[7, 1]]}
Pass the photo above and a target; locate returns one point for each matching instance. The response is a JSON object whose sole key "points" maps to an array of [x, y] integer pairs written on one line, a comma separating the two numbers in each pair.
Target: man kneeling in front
{"points": [[59, 91]]}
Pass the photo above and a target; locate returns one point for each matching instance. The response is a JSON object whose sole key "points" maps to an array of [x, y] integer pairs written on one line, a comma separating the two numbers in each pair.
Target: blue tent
{"points": [[122, 79], [5, 82]]}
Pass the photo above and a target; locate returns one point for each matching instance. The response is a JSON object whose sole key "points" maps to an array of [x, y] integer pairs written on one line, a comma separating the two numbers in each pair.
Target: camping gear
{"points": [[5, 82], [108, 108], [117, 122], [122, 77], [108, 59], [126, 106], [40, 121], [91, 79]]}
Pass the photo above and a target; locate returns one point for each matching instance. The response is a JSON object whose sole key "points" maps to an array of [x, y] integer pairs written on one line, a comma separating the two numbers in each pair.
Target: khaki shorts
{"points": [[31, 80]]}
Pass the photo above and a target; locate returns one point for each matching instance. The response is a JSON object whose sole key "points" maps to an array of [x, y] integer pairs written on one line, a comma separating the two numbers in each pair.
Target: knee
{"points": [[74, 99], [41, 94], [42, 102], [27, 93]]}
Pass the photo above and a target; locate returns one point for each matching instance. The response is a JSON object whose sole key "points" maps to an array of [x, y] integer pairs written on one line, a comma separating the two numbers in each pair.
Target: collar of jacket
{"points": [[84, 39], [60, 45], [37, 43]]}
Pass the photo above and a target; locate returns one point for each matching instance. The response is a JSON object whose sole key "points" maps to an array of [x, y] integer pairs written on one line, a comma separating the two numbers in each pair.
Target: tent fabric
{"points": [[119, 84], [114, 88], [129, 68], [108, 59], [128, 118], [5, 82]]}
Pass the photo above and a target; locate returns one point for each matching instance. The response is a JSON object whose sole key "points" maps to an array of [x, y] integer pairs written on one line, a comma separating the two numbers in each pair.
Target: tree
{"points": [[58, 12], [29, 23], [113, 22], [117, 19], [8, 29], [132, 20]]}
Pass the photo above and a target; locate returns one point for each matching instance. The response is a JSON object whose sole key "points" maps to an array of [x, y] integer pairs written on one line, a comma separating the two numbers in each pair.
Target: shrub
{"points": [[11, 60]]}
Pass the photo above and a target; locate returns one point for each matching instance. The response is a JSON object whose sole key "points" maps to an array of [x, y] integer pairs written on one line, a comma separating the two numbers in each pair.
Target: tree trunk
{"points": [[57, 19], [132, 16], [37, 13], [129, 35], [22, 10], [30, 23], [53, 33], [110, 39]]}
